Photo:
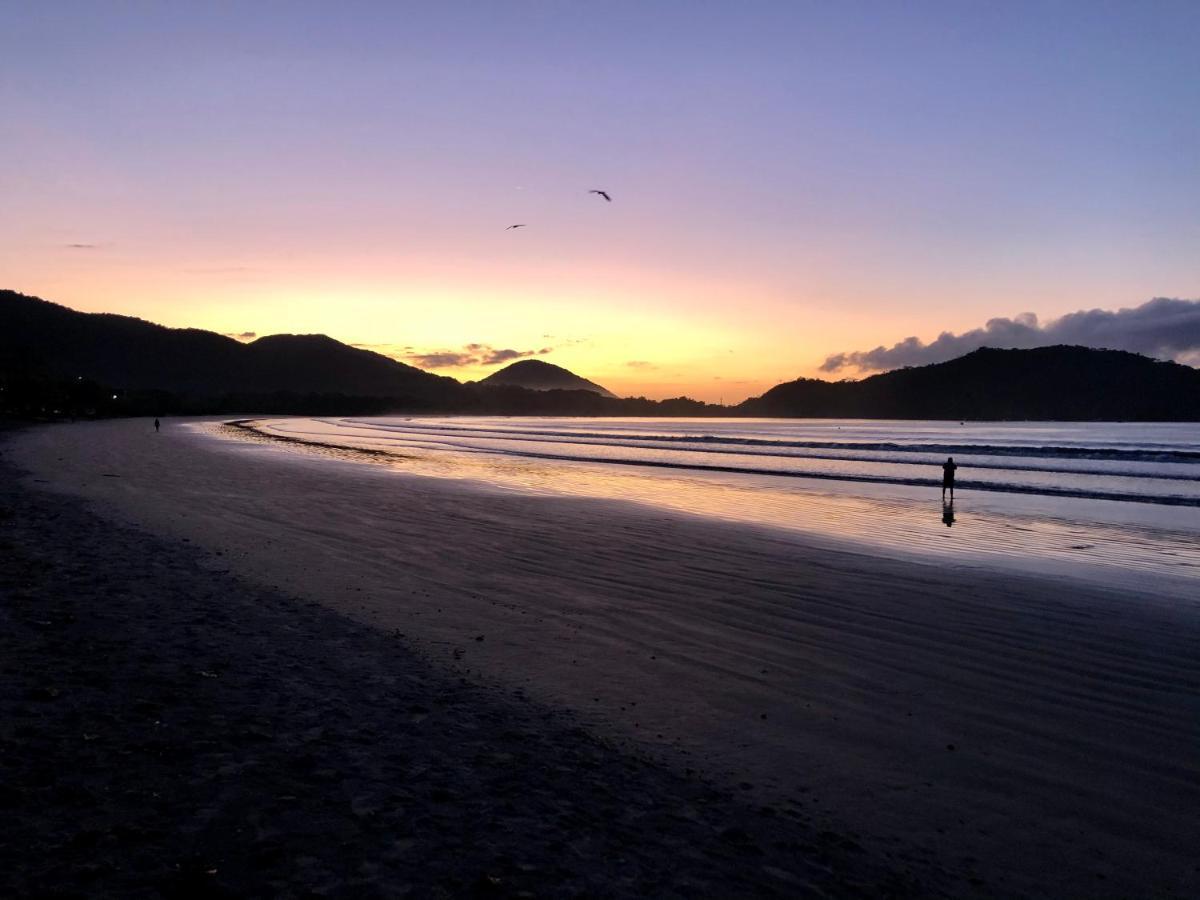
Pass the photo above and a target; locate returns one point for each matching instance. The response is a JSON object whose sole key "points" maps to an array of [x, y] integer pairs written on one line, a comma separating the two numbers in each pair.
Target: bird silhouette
{"points": [[603, 194], [511, 227]]}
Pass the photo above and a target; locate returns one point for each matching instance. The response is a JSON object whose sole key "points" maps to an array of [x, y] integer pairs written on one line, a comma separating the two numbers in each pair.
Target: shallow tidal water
{"points": [[1108, 500]]}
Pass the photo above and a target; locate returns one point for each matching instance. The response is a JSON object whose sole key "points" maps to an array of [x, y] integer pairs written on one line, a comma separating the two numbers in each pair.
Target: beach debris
{"points": [[365, 806], [479, 637], [204, 673], [487, 885]]}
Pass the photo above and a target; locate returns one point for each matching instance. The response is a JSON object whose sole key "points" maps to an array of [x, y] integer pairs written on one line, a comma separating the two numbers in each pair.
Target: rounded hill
{"points": [[536, 375]]}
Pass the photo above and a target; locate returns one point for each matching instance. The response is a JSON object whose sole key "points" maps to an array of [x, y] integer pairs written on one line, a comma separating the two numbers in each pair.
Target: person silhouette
{"points": [[948, 468], [156, 425], [948, 513]]}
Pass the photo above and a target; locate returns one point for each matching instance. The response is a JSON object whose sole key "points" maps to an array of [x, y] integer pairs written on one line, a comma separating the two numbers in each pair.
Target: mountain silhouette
{"points": [[537, 375], [1046, 383], [55, 342], [57, 361]]}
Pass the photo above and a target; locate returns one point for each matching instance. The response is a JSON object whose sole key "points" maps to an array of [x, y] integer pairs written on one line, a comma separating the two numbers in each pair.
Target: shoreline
{"points": [[1142, 547], [932, 483], [939, 713]]}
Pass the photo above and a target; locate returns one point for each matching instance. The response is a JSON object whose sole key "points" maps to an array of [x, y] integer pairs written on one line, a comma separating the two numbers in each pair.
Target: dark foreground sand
{"points": [[980, 731], [168, 730]]}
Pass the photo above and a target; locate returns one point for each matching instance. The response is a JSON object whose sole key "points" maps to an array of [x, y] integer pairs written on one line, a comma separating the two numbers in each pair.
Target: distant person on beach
{"points": [[948, 468], [156, 425]]}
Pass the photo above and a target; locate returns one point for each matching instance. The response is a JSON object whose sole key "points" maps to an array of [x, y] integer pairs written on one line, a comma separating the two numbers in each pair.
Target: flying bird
{"points": [[603, 194], [511, 227]]}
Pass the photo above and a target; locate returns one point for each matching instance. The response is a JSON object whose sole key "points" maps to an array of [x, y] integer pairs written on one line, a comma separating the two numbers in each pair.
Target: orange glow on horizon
{"points": [[635, 333], [611, 334]]}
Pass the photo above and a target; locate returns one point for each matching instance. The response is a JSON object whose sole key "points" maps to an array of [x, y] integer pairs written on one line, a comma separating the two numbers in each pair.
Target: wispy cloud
{"points": [[471, 355], [242, 335], [81, 246], [641, 364], [221, 270], [447, 359], [384, 348], [495, 357], [1164, 328]]}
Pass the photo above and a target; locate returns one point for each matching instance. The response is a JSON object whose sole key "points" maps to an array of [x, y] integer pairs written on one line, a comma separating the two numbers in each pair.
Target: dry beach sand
{"points": [[969, 732]]}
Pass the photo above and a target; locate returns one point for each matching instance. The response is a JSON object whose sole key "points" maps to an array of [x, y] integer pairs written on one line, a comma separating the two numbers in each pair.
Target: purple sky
{"points": [[790, 180]]}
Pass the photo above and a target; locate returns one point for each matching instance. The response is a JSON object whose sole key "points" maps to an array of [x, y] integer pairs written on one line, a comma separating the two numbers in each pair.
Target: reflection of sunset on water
{"points": [[1104, 536]]}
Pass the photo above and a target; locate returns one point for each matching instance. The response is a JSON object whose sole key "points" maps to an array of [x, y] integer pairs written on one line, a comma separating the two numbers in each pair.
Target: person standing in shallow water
{"points": [[948, 468]]}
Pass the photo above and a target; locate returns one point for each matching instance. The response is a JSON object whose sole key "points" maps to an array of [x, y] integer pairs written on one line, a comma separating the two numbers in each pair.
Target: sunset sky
{"points": [[790, 180]]}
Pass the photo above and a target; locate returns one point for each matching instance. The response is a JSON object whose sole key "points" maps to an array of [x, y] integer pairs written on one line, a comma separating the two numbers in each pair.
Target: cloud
{"points": [[81, 246], [241, 335], [221, 270], [441, 360], [495, 357], [640, 364], [471, 355], [1163, 328], [384, 348]]}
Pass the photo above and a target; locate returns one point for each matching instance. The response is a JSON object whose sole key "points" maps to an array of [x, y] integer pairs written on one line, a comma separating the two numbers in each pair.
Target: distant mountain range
{"points": [[1047, 383], [543, 376], [59, 358], [132, 354], [54, 360]]}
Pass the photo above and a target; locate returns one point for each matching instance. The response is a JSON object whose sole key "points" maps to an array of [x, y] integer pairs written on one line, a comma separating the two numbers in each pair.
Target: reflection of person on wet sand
{"points": [[948, 513], [948, 468]]}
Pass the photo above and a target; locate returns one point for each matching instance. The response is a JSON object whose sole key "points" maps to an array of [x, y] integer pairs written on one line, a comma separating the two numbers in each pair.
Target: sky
{"points": [[793, 183]]}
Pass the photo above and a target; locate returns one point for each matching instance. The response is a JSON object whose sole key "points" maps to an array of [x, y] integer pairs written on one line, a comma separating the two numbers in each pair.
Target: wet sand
{"points": [[986, 732], [167, 730]]}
